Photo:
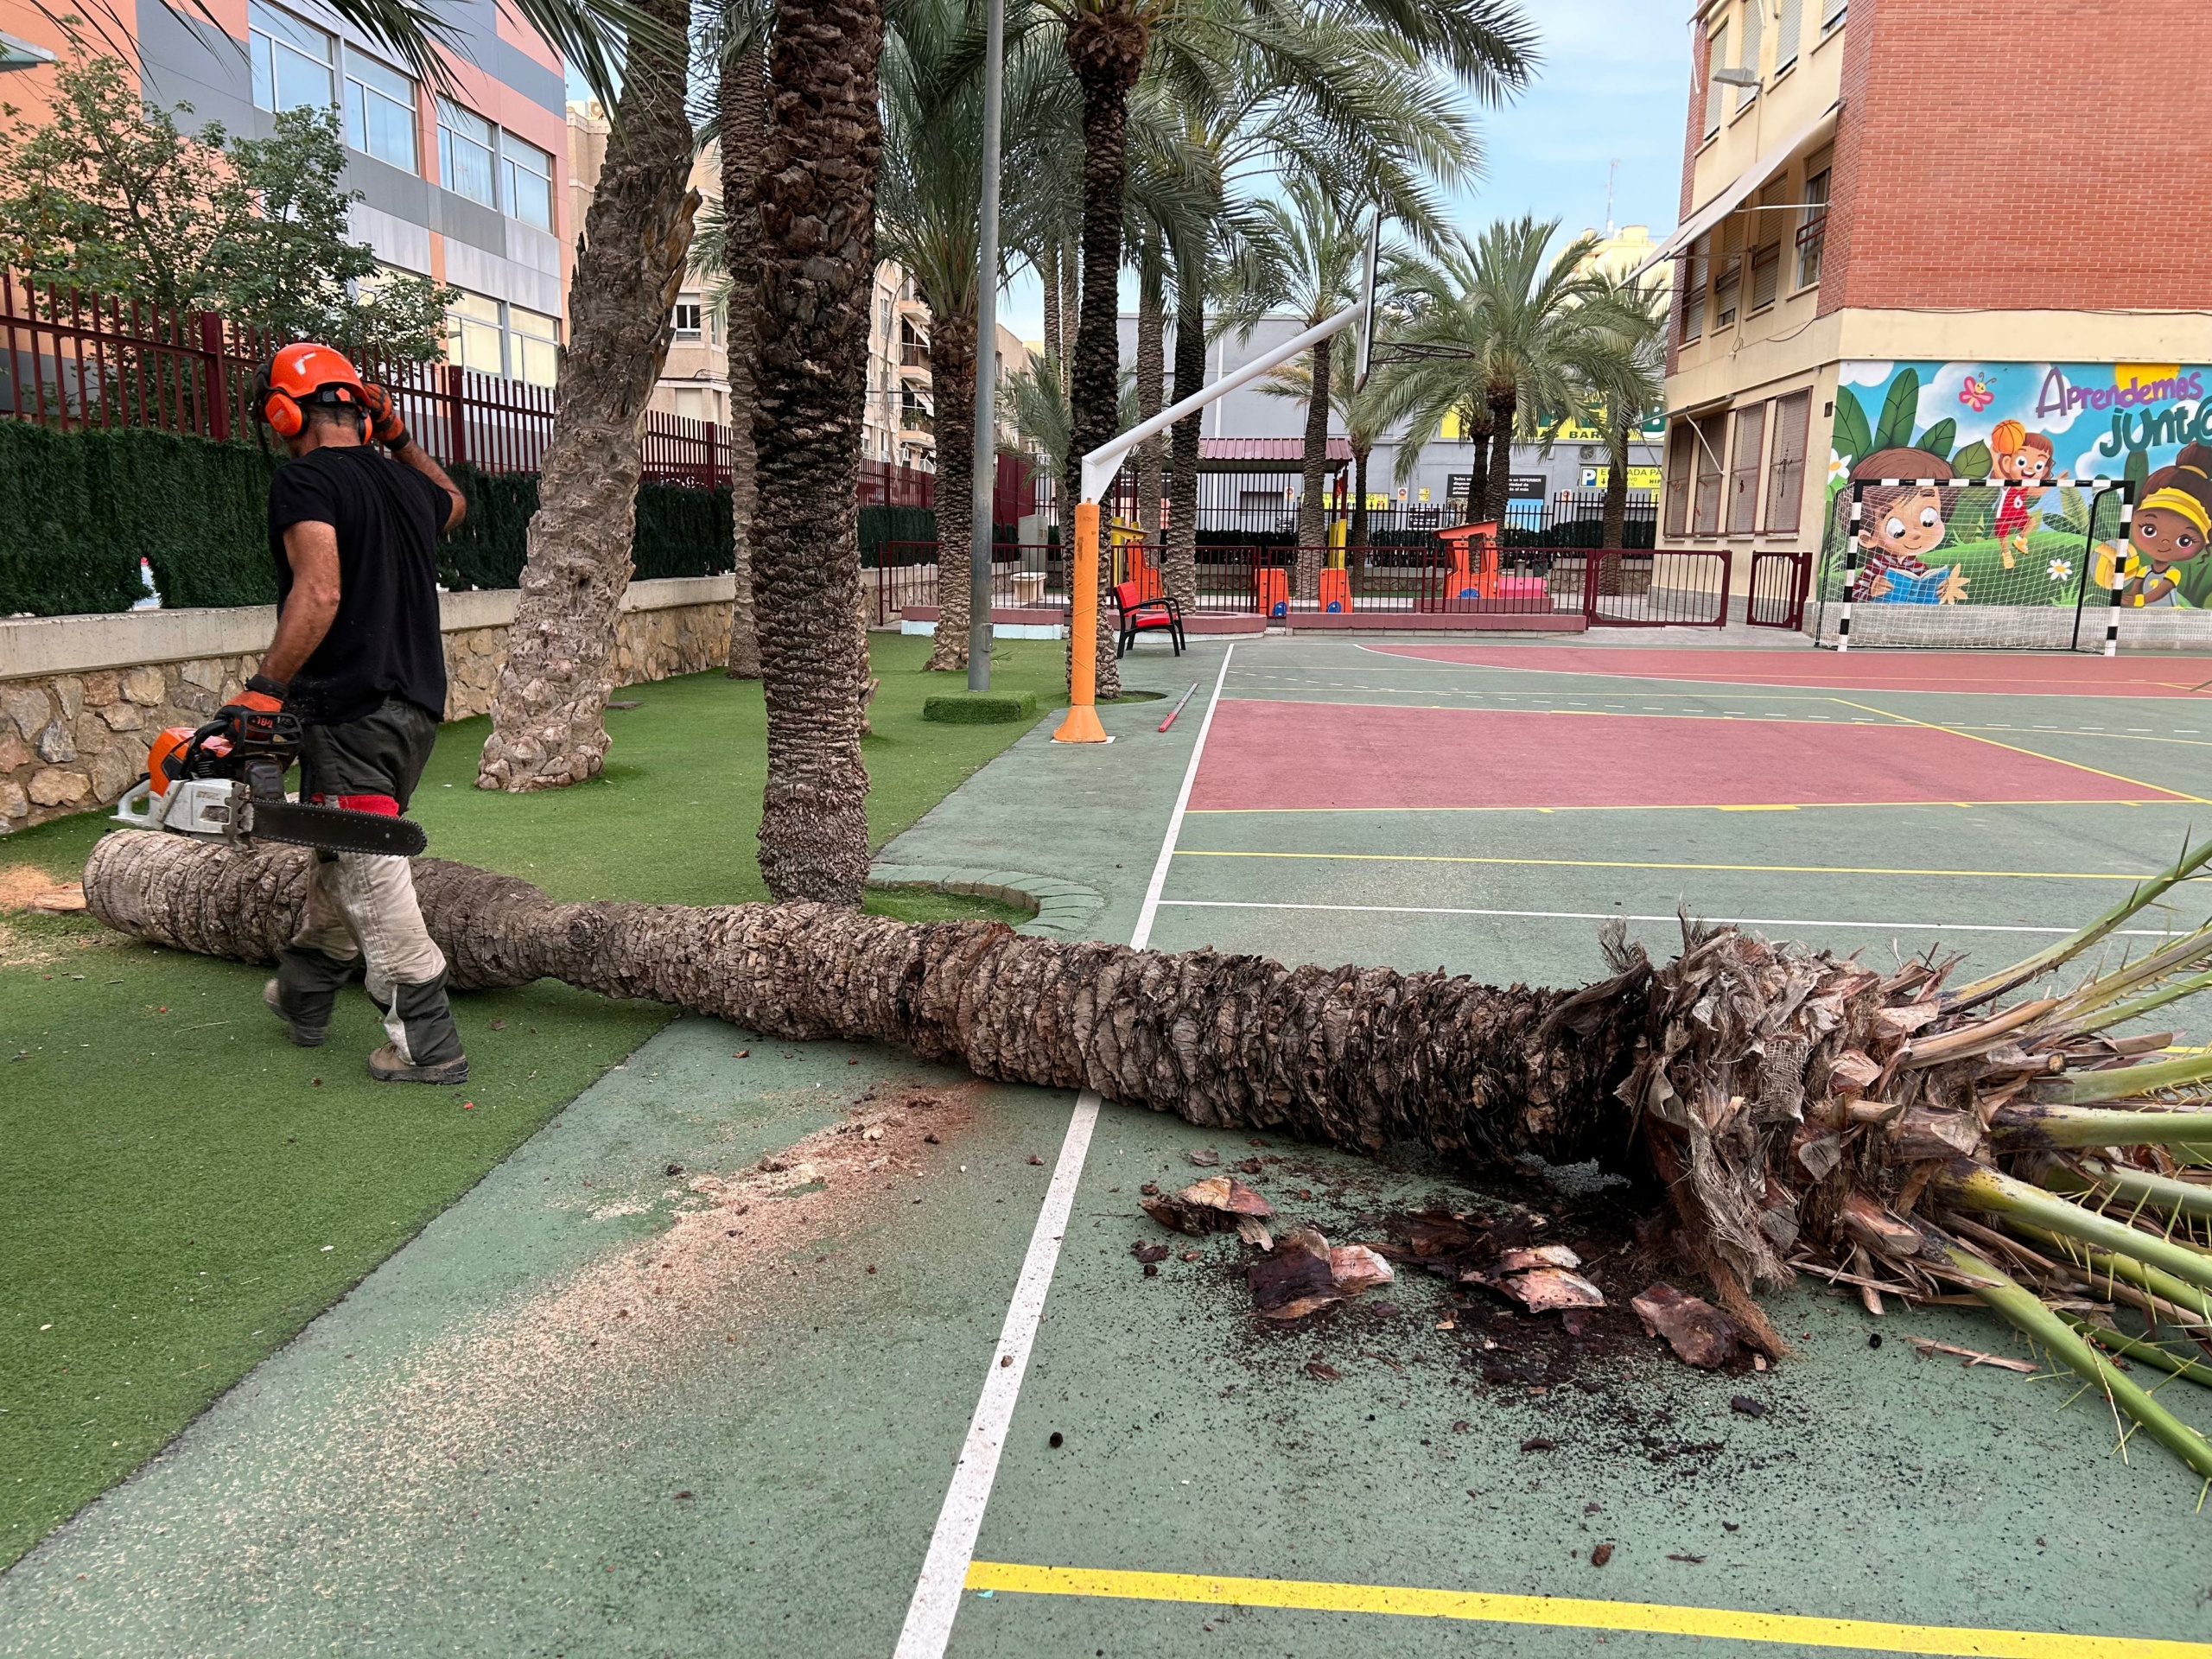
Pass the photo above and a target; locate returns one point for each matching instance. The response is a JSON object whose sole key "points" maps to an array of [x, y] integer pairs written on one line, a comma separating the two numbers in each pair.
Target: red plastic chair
{"points": [[1143, 615]]}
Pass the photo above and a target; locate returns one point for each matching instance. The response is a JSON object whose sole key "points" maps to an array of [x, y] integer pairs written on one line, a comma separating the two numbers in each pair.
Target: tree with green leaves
{"points": [[549, 724], [928, 199], [109, 194], [1190, 45], [1309, 259], [1376, 128], [727, 248], [1495, 327], [1620, 364]]}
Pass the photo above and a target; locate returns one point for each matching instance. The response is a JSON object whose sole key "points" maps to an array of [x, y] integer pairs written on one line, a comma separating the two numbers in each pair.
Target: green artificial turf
{"points": [[181, 1190]]}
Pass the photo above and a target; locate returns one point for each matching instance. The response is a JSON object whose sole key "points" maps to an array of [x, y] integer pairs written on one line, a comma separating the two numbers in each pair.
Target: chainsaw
{"points": [[207, 782]]}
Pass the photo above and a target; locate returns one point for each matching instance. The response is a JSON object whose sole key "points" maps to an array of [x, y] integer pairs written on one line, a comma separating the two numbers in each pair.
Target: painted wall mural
{"points": [[2046, 431]]}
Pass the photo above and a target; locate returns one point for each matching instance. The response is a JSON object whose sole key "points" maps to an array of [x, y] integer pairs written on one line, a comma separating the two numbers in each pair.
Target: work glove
{"points": [[252, 721], [385, 424]]}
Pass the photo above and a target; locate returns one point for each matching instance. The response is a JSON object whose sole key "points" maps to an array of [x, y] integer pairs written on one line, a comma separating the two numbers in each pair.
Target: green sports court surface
{"points": [[793, 1352]]}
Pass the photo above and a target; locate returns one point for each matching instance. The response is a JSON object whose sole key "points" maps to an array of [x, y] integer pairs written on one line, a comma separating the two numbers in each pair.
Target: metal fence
{"points": [[81, 359], [1780, 583], [1607, 587]]}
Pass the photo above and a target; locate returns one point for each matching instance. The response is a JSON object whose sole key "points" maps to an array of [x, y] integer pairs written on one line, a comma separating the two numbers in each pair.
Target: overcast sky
{"points": [[1613, 86]]}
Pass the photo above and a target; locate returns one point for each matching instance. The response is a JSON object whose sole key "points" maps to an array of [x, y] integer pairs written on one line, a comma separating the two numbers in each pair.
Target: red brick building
{"points": [[1968, 188]]}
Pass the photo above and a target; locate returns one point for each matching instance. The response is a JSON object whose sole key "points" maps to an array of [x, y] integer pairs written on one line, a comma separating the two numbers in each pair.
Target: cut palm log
{"points": [[1796, 1105]]}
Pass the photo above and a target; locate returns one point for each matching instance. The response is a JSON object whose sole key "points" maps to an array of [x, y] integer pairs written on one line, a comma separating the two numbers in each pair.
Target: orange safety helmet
{"points": [[300, 374]]}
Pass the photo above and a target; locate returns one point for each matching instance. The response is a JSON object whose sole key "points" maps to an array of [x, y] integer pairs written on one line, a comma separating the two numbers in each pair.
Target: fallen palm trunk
{"points": [[1796, 1105]]}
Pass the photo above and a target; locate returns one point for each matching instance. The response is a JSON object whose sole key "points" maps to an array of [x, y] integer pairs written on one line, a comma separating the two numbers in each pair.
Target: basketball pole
{"points": [[1100, 466]]}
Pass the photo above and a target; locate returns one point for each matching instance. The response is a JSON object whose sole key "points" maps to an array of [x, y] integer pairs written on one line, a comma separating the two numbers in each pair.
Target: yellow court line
{"points": [[1570, 1612], [2036, 754], [1633, 864], [2164, 798]]}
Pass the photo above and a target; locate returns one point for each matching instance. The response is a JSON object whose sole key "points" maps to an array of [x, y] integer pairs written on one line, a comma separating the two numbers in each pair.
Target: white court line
{"points": [[1615, 915], [935, 1600]]}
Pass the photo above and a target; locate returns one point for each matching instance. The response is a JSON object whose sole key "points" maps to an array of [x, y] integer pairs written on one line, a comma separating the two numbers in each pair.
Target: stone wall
{"points": [[83, 696]]}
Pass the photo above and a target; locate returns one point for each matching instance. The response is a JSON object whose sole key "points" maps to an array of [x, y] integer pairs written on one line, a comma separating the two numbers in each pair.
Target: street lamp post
{"points": [[987, 358]]}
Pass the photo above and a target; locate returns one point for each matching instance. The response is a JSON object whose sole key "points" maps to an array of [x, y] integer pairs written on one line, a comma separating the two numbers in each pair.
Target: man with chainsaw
{"points": [[359, 661]]}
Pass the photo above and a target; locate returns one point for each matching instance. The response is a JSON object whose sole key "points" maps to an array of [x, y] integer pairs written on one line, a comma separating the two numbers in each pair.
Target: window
{"points": [[1728, 289], [1814, 231], [1698, 275], [291, 62], [472, 334], [1754, 32], [533, 346], [1705, 512], [1766, 276], [1744, 470], [687, 319], [1785, 468], [464, 154], [1716, 58], [1831, 13], [1786, 32], [525, 181], [380, 111], [1681, 464]]}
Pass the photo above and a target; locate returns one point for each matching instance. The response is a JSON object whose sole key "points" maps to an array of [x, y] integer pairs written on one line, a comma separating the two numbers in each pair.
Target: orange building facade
{"points": [[469, 188]]}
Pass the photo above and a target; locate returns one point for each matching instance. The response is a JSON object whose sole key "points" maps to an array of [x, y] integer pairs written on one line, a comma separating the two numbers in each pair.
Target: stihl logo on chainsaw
{"points": [[202, 783]]}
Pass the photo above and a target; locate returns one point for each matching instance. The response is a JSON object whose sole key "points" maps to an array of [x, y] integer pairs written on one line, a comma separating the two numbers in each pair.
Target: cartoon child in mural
{"points": [[2172, 525], [1897, 525], [2023, 459]]}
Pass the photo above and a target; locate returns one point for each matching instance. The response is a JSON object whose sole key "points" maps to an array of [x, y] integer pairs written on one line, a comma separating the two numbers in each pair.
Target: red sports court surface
{"points": [[2003, 672], [1287, 757]]}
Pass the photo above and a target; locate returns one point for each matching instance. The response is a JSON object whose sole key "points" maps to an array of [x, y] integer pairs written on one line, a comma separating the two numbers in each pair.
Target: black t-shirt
{"points": [[384, 640]]}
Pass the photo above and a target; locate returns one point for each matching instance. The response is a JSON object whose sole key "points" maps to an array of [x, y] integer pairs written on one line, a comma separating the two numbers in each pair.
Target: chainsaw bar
{"points": [[334, 830]]}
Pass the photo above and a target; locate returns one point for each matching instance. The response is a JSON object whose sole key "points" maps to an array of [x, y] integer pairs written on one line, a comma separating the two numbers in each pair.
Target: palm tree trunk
{"points": [[952, 387], [1048, 277], [1152, 389], [1070, 307], [1179, 567], [1477, 430], [744, 97], [1355, 536], [549, 725], [1479, 1072], [1502, 405], [1313, 500], [817, 267], [1106, 50], [1614, 530]]}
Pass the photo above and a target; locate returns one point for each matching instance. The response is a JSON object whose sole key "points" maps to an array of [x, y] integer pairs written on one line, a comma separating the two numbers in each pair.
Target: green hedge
{"points": [[78, 510], [882, 525]]}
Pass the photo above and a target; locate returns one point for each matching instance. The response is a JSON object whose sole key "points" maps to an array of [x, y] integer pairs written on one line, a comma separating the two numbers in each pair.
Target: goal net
{"points": [[1959, 563]]}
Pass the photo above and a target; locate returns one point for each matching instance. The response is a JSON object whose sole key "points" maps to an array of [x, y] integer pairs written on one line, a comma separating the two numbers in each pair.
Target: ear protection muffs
{"points": [[299, 375]]}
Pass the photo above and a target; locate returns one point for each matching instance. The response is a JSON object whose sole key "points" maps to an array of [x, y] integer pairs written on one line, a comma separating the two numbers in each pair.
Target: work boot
{"points": [[425, 1047], [388, 1064], [304, 991]]}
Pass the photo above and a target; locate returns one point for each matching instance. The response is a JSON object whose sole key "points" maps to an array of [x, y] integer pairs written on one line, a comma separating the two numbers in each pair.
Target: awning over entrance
{"points": [[1739, 188]]}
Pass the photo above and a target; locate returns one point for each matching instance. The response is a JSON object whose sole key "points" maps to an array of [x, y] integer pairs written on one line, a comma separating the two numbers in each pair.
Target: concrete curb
{"points": [[1065, 909]]}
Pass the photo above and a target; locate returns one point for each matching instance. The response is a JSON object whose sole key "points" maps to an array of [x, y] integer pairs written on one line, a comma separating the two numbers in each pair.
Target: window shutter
{"points": [[1754, 35], [1786, 32]]}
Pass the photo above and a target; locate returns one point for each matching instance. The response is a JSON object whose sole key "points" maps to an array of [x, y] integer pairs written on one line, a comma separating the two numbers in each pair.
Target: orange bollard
{"points": [[1082, 725]]}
